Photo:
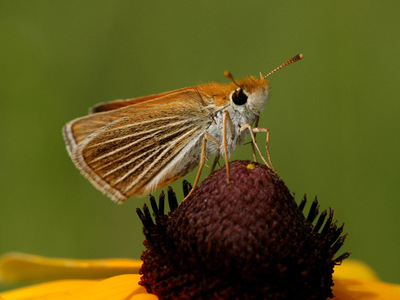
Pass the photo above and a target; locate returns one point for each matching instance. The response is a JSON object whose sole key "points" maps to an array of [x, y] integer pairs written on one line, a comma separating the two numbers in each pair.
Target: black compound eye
{"points": [[239, 97]]}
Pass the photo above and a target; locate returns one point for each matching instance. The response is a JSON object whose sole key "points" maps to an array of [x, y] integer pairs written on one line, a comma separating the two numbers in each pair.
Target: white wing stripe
{"points": [[133, 143], [129, 162], [161, 156]]}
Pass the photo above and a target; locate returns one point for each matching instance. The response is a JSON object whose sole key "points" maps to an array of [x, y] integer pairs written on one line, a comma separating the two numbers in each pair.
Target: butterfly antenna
{"points": [[288, 62]]}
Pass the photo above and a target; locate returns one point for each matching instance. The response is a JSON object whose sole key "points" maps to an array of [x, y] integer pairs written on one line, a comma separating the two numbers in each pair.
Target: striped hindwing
{"points": [[134, 149]]}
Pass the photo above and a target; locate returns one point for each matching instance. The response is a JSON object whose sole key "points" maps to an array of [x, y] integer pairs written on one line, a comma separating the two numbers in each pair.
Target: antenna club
{"points": [[228, 74]]}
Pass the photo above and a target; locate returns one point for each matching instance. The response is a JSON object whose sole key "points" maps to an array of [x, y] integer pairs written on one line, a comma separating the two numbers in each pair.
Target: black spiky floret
{"points": [[244, 240]]}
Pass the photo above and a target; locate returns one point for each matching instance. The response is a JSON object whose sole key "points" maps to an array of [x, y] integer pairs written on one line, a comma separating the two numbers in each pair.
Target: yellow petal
{"points": [[353, 269], [142, 297], [354, 289], [355, 280], [16, 267], [122, 287], [38, 290]]}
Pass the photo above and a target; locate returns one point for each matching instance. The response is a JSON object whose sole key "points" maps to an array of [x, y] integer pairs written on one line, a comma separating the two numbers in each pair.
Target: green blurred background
{"points": [[334, 116]]}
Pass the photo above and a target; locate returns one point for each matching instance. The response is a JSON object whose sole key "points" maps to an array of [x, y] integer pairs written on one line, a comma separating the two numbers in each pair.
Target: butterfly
{"points": [[131, 147]]}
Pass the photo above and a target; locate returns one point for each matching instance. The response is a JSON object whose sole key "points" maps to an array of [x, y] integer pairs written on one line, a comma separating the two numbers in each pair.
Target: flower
{"points": [[248, 239], [244, 240]]}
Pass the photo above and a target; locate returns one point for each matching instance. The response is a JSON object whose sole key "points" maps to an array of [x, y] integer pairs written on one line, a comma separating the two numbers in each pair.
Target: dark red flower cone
{"points": [[244, 240]]}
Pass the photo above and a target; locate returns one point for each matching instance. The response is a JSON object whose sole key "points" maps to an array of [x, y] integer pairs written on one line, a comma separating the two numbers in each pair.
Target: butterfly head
{"points": [[249, 93]]}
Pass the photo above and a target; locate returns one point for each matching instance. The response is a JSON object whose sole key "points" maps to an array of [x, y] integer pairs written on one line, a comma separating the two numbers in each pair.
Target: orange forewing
{"points": [[107, 106], [216, 93], [138, 137], [104, 114]]}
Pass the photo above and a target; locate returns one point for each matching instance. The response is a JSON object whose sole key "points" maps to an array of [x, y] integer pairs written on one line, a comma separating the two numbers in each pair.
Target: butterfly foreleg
{"points": [[253, 148], [253, 132], [226, 121]]}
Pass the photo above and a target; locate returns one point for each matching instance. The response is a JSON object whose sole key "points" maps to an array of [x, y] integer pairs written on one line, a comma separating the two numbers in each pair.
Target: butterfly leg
{"points": [[252, 144], [253, 131], [215, 162], [227, 121], [266, 130], [202, 160]]}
